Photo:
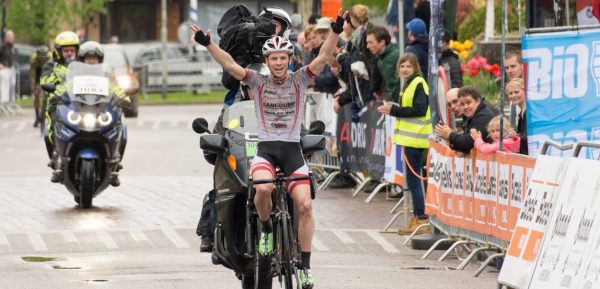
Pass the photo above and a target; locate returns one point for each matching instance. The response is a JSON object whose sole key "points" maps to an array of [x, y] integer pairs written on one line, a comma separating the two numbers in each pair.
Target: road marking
{"points": [[37, 242], [4, 241], [343, 236], [382, 242], [319, 246], [175, 238], [106, 239], [69, 237], [137, 235]]}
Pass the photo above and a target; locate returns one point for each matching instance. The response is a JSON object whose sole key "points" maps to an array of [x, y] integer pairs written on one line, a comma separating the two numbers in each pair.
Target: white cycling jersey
{"points": [[279, 107]]}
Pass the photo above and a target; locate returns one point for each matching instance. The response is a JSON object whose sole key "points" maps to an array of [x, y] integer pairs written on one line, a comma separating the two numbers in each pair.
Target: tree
{"points": [[40, 20]]}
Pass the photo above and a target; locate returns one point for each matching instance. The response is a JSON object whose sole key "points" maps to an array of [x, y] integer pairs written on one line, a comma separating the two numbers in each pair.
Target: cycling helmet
{"points": [[277, 44], [91, 48], [282, 17], [67, 38]]}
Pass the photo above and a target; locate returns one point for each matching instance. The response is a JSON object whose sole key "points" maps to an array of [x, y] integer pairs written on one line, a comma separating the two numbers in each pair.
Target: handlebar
{"points": [[280, 179]]}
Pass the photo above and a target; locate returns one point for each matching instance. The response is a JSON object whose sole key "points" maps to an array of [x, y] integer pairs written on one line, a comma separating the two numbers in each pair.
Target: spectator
{"points": [[412, 129], [7, 69], [510, 143], [423, 12], [379, 43], [315, 43], [324, 28], [36, 63], [326, 81], [312, 19], [515, 91], [477, 115], [453, 103], [391, 17], [307, 45], [450, 58], [418, 43], [513, 66]]}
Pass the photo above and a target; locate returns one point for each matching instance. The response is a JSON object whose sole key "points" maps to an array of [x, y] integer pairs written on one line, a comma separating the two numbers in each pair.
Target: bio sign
{"points": [[563, 88]]}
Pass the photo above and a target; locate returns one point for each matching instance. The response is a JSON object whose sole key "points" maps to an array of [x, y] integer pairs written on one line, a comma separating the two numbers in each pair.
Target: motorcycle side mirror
{"points": [[316, 127], [200, 125], [49, 87]]}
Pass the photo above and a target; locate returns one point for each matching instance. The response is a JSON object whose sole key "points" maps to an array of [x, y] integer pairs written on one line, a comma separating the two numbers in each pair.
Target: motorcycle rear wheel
{"points": [[86, 187]]}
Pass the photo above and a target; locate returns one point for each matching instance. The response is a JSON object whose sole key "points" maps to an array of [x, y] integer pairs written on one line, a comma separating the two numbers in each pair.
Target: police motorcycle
{"points": [[89, 135], [236, 229]]}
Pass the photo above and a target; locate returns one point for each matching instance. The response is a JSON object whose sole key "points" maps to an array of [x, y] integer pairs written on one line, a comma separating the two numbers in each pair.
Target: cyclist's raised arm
{"points": [[222, 57], [329, 45]]}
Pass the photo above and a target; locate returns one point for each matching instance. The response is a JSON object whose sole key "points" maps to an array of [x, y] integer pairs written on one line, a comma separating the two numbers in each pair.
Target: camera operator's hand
{"points": [[199, 35], [338, 25]]}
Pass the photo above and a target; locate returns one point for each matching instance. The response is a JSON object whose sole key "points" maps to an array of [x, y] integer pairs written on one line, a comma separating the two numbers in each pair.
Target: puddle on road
{"points": [[38, 259]]}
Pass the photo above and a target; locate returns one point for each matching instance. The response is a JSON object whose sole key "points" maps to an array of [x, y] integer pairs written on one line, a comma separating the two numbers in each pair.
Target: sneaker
{"points": [[413, 224], [206, 244], [306, 278], [265, 243], [342, 182]]}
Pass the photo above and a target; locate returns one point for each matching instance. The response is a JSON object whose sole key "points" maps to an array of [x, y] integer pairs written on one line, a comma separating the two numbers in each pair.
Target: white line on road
{"points": [[175, 238], [343, 236], [106, 239], [382, 242], [69, 237], [319, 246], [37, 242], [137, 235]]}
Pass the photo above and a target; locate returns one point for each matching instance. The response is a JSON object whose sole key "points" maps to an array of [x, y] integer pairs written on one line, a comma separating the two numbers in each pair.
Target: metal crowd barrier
{"points": [[182, 75], [10, 107]]}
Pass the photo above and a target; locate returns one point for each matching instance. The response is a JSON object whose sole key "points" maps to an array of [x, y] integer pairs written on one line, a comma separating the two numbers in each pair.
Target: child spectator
{"points": [[511, 141]]}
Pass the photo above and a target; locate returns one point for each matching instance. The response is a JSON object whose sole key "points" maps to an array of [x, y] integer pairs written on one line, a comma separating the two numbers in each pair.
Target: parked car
{"points": [[196, 71], [117, 63], [22, 65]]}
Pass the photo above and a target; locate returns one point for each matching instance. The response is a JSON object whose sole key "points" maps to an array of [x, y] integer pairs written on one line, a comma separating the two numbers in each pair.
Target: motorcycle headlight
{"points": [[73, 118], [124, 81], [105, 118], [89, 120]]}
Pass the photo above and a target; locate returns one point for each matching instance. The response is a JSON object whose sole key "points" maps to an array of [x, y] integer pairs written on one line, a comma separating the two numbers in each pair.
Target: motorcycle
{"points": [[235, 234], [89, 135]]}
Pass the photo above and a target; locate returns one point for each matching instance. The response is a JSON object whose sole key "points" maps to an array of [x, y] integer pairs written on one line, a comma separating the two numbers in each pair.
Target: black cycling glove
{"points": [[338, 25], [202, 38]]}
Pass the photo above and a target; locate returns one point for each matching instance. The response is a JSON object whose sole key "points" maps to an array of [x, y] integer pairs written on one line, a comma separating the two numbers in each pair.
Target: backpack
{"points": [[242, 36]]}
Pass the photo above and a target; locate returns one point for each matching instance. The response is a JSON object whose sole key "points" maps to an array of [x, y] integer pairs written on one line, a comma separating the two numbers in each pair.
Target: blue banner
{"points": [[563, 88]]}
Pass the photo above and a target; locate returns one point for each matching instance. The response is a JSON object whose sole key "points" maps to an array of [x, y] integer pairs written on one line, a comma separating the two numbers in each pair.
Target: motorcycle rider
{"points": [[280, 101], [91, 52], [66, 45], [283, 24]]}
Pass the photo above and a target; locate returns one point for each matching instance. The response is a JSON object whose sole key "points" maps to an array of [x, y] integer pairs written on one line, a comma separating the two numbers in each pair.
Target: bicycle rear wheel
{"points": [[263, 277]]}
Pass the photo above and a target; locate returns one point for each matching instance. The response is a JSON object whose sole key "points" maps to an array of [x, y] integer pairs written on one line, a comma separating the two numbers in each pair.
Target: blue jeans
{"points": [[414, 157]]}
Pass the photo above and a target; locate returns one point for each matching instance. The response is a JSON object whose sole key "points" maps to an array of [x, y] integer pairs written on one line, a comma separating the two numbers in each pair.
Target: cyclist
{"points": [[37, 61], [66, 45], [279, 99]]}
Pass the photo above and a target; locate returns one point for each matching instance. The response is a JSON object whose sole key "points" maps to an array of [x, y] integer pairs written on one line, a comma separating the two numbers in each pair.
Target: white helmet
{"points": [[282, 17], [91, 48], [277, 44]]}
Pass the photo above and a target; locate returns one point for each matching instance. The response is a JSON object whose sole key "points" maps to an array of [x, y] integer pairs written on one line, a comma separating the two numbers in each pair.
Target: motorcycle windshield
{"points": [[88, 83], [241, 118]]}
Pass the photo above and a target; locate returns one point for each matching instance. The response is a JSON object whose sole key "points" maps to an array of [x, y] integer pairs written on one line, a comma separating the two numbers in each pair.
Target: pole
{"points": [[193, 20], [501, 97], [401, 26], [3, 20], [163, 39], [489, 20]]}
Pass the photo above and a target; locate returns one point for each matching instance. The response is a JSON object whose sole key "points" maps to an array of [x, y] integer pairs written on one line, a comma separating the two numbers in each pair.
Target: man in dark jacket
{"points": [[379, 43], [418, 43], [450, 58], [477, 115]]}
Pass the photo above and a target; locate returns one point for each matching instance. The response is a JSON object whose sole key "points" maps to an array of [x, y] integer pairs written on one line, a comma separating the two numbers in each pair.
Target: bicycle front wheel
{"points": [[284, 244]]}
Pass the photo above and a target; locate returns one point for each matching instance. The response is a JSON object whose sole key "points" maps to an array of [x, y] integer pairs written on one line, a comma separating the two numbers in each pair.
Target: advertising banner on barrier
{"points": [[541, 195], [393, 161], [478, 193], [568, 257], [563, 88], [362, 143]]}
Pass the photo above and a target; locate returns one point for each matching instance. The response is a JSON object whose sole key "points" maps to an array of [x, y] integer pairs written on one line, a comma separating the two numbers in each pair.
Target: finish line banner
{"points": [[479, 193], [563, 88]]}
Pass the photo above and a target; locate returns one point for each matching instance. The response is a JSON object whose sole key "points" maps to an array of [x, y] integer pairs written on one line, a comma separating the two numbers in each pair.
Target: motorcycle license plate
{"points": [[250, 148]]}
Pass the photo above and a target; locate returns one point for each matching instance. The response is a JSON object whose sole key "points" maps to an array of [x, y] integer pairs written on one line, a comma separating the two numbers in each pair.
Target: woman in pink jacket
{"points": [[511, 141]]}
